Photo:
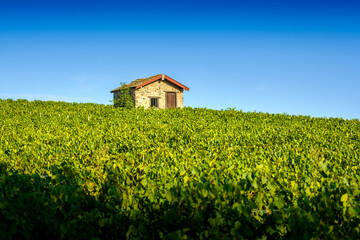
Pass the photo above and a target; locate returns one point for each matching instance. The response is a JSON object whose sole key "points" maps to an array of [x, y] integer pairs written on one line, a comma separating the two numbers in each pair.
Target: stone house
{"points": [[158, 91]]}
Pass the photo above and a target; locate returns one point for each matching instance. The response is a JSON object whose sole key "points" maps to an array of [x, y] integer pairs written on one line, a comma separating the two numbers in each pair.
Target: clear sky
{"points": [[295, 57]]}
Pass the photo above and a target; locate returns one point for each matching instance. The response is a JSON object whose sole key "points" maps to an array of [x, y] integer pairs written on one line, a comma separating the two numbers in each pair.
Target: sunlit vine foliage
{"points": [[86, 171]]}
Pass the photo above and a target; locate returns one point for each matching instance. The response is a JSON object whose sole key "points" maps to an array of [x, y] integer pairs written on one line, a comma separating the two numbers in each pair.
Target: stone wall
{"points": [[157, 89]]}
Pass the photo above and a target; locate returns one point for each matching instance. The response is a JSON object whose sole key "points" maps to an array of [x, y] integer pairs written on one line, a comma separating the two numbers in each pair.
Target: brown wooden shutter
{"points": [[170, 99]]}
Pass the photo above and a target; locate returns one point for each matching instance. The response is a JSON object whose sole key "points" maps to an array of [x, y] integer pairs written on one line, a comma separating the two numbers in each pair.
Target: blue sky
{"points": [[295, 57]]}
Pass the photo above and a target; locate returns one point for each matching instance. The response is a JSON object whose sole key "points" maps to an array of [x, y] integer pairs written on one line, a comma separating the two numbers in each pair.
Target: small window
{"points": [[154, 102]]}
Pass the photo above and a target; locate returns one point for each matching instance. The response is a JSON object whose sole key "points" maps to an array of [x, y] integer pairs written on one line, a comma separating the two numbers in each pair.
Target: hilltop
{"points": [[72, 170]]}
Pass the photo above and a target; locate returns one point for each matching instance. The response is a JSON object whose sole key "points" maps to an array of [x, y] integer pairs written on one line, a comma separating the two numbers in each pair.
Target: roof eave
{"points": [[167, 78], [148, 82], [177, 83], [118, 89]]}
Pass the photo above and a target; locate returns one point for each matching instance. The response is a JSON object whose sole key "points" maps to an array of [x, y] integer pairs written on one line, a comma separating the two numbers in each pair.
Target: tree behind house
{"points": [[125, 98]]}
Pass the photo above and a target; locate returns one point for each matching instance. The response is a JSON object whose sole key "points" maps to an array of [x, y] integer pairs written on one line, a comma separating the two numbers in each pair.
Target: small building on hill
{"points": [[158, 91]]}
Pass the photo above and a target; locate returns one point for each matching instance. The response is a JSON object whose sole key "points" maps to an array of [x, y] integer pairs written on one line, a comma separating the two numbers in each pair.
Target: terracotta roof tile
{"points": [[144, 81], [136, 82]]}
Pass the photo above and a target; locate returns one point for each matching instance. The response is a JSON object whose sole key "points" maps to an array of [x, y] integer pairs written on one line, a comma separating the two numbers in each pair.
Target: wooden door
{"points": [[170, 99]]}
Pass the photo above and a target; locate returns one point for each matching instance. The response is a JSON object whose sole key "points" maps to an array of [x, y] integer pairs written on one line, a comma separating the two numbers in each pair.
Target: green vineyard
{"points": [[90, 171]]}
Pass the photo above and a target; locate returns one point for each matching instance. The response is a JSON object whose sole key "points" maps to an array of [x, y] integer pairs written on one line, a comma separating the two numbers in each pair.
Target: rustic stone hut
{"points": [[158, 91]]}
